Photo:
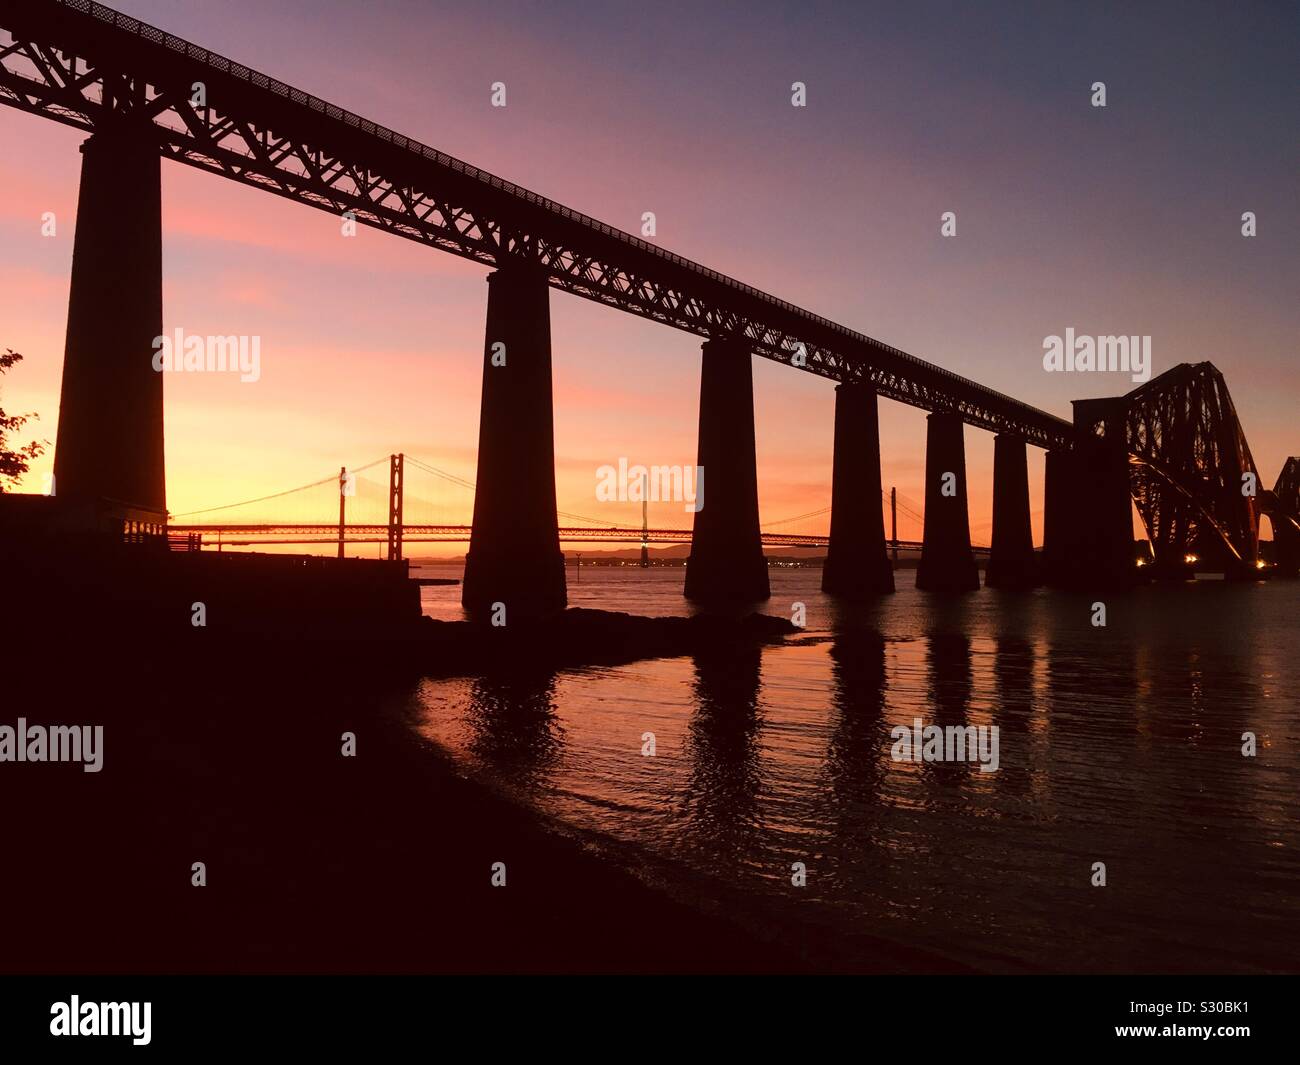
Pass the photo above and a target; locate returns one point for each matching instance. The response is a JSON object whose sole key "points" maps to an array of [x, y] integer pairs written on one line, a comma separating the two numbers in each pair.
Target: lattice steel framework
{"points": [[1188, 458], [1282, 505], [1286, 492], [89, 66]]}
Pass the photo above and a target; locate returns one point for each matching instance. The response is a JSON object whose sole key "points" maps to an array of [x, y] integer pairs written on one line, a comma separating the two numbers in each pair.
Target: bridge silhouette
{"points": [[1174, 446], [390, 511]]}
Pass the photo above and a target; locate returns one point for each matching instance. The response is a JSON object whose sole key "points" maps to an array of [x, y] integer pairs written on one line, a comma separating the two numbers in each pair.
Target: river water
{"points": [[1119, 744]]}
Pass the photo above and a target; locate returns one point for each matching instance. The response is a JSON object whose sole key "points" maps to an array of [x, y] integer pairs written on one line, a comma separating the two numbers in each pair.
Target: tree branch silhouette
{"points": [[15, 463]]}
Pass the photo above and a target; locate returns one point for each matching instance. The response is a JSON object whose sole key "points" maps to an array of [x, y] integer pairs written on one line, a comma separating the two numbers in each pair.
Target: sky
{"points": [[1123, 219]]}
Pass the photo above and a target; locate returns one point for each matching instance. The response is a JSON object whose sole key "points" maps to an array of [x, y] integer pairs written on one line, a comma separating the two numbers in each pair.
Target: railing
{"points": [[151, 533]]}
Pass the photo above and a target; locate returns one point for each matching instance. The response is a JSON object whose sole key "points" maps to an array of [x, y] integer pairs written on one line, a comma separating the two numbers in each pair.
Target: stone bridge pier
{"points": [[857, 564], [514, 553], [726, 563], [947, 562], [109, 445]]}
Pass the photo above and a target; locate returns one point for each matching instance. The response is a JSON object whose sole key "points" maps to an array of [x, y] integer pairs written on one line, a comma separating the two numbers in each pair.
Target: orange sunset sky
{"points": [[1123, 219]]}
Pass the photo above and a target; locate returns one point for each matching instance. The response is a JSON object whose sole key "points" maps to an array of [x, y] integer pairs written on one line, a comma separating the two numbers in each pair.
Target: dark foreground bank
{"points": [[223, 746], [314, 862]]}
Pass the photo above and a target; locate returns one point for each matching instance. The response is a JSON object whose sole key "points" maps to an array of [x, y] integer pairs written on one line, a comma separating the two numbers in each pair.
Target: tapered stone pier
{"points": [[726, 563], [1104, 518], [857, 565], [1011, 557], [947, 562], [1090, 503], [1057, 515], [514, 553], [110, 436]]}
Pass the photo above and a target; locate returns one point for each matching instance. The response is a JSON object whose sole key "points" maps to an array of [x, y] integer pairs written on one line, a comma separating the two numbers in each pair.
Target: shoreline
{"points": [[316, 863]]}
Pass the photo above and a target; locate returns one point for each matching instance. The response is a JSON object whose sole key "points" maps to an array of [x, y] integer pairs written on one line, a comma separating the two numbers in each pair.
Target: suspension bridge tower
{"points": [[645, 522]]}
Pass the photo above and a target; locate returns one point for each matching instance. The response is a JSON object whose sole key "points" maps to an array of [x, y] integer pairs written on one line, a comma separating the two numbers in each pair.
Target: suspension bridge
{"points": [[400, 499]]}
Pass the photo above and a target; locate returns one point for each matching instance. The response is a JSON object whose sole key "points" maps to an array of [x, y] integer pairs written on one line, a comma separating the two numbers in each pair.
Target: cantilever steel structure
{"points": [[89, 66]]}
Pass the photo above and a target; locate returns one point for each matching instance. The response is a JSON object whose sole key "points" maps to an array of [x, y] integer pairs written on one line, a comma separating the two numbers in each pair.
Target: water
{"points": [[1120, 745]]}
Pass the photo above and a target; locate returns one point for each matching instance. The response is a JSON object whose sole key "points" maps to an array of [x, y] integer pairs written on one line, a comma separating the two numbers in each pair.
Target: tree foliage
{"points": [[14, 463]]}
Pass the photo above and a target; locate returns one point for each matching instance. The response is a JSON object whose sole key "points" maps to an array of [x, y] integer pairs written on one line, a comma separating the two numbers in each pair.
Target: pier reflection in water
{"points": [[513, 724], [1119, 745], [721, 802]]}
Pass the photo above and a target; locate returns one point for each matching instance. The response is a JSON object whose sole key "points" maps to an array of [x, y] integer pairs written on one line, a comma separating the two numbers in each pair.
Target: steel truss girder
{"points": [[89, 66]]}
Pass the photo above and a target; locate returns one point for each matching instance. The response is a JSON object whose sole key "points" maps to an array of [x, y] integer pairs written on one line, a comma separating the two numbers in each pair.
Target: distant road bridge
{"points": [[231, 525], [253, 535]]}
